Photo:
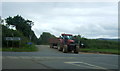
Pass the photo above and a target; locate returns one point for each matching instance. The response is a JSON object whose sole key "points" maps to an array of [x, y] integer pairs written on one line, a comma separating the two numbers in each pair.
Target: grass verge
{"points": [[31, 48], [0, 49], [107, 51]]}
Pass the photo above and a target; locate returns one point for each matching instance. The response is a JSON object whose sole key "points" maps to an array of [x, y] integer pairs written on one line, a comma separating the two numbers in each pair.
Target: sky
{"points": [[89, 19]]}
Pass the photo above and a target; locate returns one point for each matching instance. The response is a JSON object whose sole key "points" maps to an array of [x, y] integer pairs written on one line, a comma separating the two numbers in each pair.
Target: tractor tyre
{"points": [[65, 49], [59, 48], [76, 50], [51, 46]]}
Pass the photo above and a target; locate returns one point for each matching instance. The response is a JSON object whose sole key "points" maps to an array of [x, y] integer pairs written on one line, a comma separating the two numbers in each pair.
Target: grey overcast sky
{"points": [[90, 19]]}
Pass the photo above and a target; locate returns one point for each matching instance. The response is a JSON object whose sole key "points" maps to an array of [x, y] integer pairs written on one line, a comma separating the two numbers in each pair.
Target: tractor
{"points": [[65, 43]]}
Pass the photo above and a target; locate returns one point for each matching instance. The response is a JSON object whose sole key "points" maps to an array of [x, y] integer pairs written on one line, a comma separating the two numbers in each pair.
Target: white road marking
{"points": [[80, 65], [88, 65], [25, 57]]}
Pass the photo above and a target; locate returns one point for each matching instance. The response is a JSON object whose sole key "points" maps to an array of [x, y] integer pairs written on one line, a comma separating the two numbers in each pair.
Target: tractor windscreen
{"points": [[68, 37]]}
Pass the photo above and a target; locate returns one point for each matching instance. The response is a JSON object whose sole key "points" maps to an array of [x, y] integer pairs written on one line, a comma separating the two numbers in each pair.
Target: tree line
{"points": [[22, 30]]}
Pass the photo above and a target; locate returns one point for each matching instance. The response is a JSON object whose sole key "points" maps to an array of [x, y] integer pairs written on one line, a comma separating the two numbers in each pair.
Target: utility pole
{"points": [[7, 43], [30, 37]]}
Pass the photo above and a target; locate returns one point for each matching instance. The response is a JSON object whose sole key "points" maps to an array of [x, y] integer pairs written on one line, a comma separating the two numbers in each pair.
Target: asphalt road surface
{"points": [[49, 58]]}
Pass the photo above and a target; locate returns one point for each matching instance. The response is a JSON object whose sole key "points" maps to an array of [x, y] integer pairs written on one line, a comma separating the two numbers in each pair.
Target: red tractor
{"points": [[65, 43]]}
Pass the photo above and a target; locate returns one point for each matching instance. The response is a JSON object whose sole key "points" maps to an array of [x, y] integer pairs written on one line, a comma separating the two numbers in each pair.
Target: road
{"points": [[49, 58]]}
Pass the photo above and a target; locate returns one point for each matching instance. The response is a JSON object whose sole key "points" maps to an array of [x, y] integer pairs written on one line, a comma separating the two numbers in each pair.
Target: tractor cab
{"points": [[68, 38]]}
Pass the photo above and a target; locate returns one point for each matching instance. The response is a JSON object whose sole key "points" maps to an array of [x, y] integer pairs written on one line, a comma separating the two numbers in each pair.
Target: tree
{"points": [[1, 21], [6, 32], [23, 26], [45, 37]]}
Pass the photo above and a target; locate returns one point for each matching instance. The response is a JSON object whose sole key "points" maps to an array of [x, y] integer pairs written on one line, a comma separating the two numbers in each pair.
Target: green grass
{"points": [[21, 49], [101, 46], [109, 51]]}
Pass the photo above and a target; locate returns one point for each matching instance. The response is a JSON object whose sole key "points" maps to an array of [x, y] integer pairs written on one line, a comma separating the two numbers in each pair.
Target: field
{"points": [[106, 51], [101, 46]]}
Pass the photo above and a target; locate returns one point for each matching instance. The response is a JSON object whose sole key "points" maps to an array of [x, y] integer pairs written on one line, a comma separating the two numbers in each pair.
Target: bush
{"points": [[6, 32]]}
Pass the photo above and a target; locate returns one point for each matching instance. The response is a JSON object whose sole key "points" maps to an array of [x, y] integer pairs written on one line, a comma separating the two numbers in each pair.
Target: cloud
{"points": [[88, 19]]}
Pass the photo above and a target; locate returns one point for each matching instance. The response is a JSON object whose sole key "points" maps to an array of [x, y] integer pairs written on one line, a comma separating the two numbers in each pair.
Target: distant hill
{"points": [[108, 39]]}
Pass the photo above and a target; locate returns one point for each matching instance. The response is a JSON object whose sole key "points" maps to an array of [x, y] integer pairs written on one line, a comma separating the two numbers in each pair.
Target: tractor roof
{"points": [[66, 34]]}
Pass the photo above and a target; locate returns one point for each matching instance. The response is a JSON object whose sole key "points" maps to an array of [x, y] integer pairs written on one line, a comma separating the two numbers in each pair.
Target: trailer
{"points": [[54, 42]]}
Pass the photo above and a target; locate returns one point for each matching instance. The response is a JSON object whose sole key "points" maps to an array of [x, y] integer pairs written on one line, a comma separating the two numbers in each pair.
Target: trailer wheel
{"points": [[76, 50], [51, 46], [65, 50], [59, 48]]}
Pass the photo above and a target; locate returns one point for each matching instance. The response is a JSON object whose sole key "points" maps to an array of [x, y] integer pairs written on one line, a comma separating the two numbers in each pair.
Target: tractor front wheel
{"points": [[76, 50]]}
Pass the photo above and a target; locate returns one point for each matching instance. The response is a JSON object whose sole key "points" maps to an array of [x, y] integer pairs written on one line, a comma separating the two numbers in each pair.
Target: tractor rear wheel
{"points": [[65, 49]]}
